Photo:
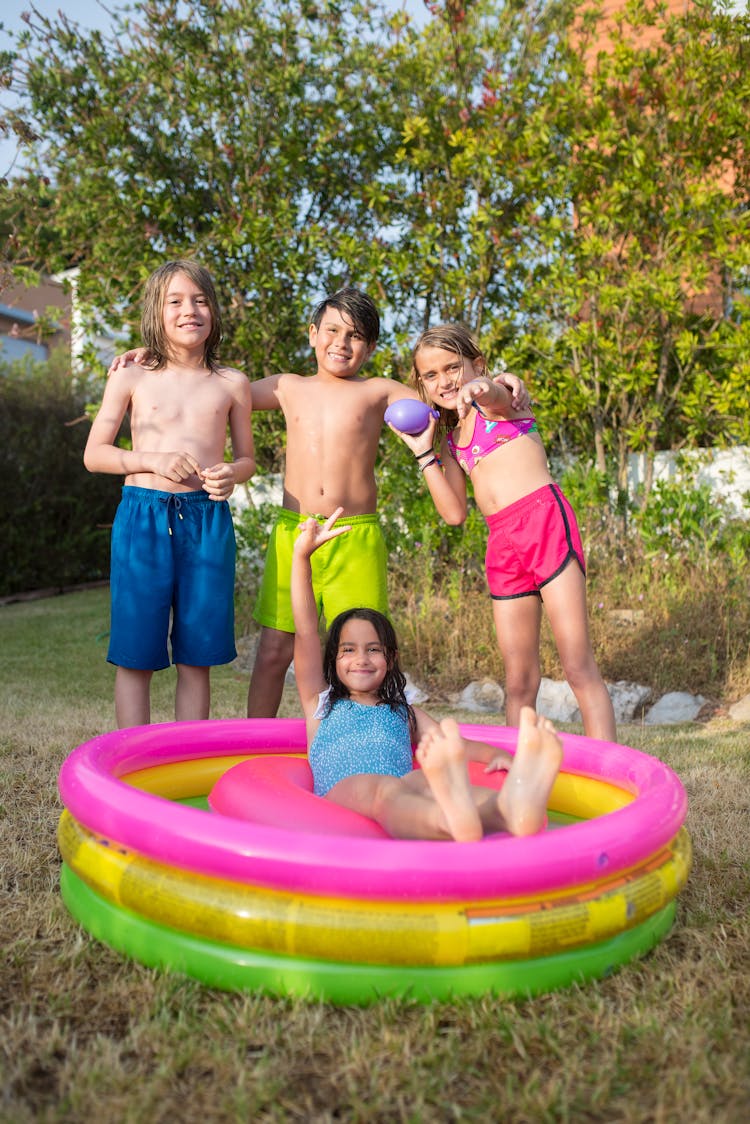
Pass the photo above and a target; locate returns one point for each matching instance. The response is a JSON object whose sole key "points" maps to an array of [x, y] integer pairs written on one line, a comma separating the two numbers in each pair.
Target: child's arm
{"points": [[494, 758], [446, 481], [264, 390], [266, 393], [308, 658], [103, 455], [486, 395], [220, 480], [520, 397]]}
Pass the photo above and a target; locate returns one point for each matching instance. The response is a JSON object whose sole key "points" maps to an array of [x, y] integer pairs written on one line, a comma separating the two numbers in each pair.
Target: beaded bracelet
{"points": [[427, 464]]}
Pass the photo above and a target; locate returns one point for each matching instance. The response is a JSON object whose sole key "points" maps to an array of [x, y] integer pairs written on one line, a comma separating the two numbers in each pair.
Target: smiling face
{"points": [[361, 661], [340, 348], [180, 307], [442, 372], [186, 314]]}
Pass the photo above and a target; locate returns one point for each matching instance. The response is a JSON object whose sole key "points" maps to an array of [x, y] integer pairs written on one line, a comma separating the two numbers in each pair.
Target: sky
{"points": [[90, 14]]}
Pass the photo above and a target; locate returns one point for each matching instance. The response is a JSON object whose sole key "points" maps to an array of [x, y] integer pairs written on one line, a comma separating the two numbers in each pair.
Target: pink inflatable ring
{"points": [[92, 788]]}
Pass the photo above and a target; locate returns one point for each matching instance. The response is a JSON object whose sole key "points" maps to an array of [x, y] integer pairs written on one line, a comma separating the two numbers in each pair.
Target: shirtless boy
{"points": [[333, 422], [173, 547]]}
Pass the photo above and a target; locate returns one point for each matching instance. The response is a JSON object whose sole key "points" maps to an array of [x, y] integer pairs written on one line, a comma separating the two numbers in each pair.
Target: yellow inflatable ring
{"points": [[374, 931]]}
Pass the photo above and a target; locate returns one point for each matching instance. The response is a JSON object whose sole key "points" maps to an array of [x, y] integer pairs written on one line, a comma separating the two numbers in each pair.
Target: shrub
{"points": [[54, 515]]}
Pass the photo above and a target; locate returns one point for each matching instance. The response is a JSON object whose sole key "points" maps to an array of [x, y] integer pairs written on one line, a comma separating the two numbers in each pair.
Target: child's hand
{"points": [[475, 392], [218, 481], [520, 397], [136, 355], [175, 466], [501, 761], [312, 534], [420, 442]]}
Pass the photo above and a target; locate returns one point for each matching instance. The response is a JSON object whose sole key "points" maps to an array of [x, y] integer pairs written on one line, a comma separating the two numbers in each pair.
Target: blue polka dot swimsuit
{"points": [[354, 738]]}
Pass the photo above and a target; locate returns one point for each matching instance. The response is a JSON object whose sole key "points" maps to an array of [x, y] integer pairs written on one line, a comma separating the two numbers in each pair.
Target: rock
{"points": [[740, 711], [628, 699], [674, 707], [414, 694], [555, 699], [557, 702], [486, 696], [626, 616]]}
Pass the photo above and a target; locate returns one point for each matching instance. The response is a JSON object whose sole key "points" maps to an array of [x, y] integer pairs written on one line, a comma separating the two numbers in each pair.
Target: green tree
{"points": [[571, 207], [246, 134], [465, 200], [639, 325]]}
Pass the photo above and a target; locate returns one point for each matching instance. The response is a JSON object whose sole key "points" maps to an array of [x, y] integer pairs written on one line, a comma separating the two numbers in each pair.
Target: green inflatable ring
{"points": [[231, 968]]}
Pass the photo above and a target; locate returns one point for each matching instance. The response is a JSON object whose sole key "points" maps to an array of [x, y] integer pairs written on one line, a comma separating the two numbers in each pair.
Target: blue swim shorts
{"points": [[173, 556], [348, 572]]}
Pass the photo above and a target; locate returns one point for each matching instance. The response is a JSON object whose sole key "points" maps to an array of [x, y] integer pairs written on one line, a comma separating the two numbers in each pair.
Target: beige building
{"points": [[33, 321]]}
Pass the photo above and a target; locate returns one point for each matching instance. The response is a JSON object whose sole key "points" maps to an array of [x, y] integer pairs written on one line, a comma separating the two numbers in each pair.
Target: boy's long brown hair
{"points": [[152, 315]]}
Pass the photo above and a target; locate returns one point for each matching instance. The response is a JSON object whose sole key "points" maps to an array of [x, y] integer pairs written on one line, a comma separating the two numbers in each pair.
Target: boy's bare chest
{"points": [[333, 408], [172, 400]]}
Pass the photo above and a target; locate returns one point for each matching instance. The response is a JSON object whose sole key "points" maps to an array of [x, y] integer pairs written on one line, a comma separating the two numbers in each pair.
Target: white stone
{"points": [[674, 707], [414, 694], [485, 696], [557, 702], [740, 711], [628, 699]]}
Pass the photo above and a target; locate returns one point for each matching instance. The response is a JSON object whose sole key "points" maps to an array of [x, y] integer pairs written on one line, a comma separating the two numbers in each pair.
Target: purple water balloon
{"points": [[409, 415]]}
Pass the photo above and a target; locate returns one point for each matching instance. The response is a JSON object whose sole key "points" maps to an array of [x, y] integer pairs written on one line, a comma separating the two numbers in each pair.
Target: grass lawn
{"points": [[86, 1035]]}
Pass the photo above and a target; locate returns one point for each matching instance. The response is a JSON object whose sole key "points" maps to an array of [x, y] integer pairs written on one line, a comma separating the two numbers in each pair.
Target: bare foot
{"points": [[442, 756], [522, 801]]}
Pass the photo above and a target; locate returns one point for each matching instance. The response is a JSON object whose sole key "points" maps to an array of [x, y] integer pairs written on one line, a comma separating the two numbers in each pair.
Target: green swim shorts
{"points": [[348, 572]]}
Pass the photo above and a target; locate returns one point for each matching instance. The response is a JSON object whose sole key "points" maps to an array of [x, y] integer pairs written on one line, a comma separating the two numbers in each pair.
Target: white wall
{"points": [[726, 470]]}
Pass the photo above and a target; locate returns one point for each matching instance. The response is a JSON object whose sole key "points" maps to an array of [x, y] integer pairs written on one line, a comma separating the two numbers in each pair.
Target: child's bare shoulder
{"points": [[125, 379], [385, 389], [233, 374]]}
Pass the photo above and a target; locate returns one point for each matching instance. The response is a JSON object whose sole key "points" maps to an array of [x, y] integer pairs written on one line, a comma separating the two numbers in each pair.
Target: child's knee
{"points": [[523, 686], [276, 648]]}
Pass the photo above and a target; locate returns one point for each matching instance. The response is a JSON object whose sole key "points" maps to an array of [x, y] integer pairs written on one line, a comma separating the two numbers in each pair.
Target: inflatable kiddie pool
{"points": [[265, 886]]}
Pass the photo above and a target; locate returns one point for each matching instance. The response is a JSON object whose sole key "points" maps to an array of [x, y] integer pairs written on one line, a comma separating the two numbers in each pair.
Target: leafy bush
{"points": [[54, 515], [252, 526], [685, 518]]}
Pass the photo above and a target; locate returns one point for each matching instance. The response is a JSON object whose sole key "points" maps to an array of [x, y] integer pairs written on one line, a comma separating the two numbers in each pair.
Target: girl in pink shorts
{"points": [[534, 551]]}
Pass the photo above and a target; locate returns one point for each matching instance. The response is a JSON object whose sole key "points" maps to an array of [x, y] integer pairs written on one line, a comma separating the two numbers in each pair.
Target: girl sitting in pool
{"points": [[360, 730], [534, 551]]}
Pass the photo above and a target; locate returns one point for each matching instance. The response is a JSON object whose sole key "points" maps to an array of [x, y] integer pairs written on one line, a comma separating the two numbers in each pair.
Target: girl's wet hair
{"points": [[152, 316], [450, 337], [393, 688]]}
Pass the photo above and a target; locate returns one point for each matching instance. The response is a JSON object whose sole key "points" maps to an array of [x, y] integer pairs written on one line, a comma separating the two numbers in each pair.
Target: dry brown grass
{"points": [[681, 629], [88, 1036]]}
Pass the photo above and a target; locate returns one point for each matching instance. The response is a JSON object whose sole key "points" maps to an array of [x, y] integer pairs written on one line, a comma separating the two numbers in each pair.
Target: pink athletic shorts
{"points": [[530, 543]]}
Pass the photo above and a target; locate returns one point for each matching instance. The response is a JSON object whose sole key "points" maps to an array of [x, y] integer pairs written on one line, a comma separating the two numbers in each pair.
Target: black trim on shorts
{"points": [[556, 492]]}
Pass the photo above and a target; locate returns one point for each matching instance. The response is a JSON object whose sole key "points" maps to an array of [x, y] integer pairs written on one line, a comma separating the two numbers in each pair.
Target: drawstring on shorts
{"points": [[172, 503]]}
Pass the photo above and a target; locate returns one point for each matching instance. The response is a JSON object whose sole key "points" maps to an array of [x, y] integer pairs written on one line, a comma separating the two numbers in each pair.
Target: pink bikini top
{"points": [[489, 434]]}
